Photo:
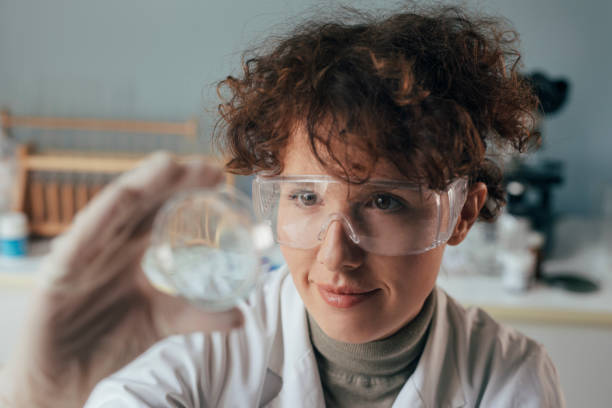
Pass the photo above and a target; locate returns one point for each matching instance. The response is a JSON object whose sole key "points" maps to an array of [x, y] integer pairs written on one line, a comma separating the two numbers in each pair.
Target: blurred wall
{"points": [[159, 59], [572, 39]]}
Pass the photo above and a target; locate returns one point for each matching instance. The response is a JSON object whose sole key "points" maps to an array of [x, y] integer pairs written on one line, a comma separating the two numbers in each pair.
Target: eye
{"points": [[305, 198], [385, 202]]}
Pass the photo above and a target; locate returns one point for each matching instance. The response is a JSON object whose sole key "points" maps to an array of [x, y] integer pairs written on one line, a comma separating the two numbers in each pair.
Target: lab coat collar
{"points": [[439, 357], [425, 388], [301, 381]]}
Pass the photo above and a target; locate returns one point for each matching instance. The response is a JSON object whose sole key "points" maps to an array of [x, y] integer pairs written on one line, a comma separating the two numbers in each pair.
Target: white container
{"points": [[518, 270], [13, 234], [8, 171]]}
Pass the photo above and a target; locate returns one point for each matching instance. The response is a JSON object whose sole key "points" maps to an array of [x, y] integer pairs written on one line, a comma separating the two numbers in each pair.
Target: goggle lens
{"points": [[382, 217]]}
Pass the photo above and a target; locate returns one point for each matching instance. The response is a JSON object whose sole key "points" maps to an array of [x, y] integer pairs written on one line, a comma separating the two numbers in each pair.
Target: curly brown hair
{"points": [[428, 90]]}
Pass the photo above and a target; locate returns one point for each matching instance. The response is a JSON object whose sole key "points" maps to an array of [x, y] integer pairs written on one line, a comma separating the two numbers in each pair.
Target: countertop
{"points": [[579, 249]]}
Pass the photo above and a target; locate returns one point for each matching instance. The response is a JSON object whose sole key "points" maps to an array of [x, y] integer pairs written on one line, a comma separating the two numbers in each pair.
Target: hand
{"points": [[95, 311]]}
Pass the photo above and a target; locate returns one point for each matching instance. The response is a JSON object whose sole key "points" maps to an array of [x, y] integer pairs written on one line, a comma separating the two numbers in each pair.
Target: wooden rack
{"points": [[52, 186]]}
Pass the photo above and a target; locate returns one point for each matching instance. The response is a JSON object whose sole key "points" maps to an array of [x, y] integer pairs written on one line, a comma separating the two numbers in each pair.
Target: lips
{"points": [[343, 297]]}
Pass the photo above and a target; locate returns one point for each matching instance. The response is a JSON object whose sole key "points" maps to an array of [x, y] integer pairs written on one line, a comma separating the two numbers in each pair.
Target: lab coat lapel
{"points": [[272, 385], [436, 381], [300, 373]]}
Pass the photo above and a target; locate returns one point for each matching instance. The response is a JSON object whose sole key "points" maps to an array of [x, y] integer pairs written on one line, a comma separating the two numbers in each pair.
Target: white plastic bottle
{"points": [[8, 171], [13, 234], [13, 225]]}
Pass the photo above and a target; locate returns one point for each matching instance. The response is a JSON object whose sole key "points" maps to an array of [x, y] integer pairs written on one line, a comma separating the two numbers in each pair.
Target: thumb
{"points": [[175, 315]]}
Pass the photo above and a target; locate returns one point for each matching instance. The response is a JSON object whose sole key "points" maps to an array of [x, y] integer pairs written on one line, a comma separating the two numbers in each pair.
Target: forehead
{"points": [[298, 159]]}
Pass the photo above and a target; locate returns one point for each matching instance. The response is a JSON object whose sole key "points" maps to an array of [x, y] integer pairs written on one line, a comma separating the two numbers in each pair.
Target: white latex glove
{"points": [[95, 311]]}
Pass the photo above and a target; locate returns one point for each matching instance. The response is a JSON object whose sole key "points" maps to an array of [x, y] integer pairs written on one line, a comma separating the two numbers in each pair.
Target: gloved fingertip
{"points": [[237, 319], [225, 320]]}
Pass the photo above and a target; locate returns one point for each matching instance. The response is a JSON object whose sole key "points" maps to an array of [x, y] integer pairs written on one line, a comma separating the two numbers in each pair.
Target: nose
{"points": [[337, 251]]}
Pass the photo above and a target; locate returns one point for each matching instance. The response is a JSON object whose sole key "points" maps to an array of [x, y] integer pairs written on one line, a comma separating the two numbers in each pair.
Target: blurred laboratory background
{"points": [[89, 87]]}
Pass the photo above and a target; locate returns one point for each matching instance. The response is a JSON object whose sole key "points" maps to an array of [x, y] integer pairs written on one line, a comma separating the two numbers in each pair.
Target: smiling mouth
{"points": [[342, 297]]}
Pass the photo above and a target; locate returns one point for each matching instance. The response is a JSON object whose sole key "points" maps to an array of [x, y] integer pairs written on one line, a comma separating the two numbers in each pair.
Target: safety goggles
{"points": [[382, 217]]}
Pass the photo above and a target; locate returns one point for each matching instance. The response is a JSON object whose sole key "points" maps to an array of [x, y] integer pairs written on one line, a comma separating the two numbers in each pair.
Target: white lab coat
{"points": [[469, 360]]}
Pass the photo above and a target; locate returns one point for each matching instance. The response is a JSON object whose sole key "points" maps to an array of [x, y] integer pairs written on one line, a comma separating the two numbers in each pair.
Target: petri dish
{"points": [[206, 246]]}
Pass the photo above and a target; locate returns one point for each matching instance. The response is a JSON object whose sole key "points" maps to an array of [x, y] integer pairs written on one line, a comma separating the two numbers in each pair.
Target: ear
{"points": [[476, 199]]}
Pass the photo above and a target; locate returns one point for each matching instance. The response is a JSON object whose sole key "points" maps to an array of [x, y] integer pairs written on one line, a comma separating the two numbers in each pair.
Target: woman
{"points": [[369, 142]]}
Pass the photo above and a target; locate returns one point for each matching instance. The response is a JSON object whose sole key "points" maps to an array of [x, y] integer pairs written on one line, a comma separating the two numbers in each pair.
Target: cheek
{"points": [[409, 279], [299, 262]]}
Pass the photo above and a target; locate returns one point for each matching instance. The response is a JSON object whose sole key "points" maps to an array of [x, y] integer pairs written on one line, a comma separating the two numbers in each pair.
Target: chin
{"points": [[350, 326]]}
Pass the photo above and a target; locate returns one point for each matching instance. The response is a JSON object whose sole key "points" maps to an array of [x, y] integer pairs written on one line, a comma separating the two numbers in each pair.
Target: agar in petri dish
{"points": [[206, 246]]}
